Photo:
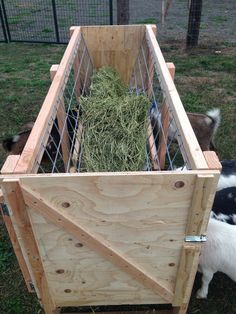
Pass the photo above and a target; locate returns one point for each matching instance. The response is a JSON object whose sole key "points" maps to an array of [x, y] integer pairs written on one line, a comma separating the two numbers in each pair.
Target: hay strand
{"points": [[115, 122]]}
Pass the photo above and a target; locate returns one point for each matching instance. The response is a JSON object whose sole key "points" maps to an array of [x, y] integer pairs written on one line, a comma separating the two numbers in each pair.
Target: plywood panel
{"points": [[131, 213], [68, 264], [115, 46]]}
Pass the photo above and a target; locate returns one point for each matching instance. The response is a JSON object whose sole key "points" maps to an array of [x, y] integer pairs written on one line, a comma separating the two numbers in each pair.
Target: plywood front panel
{"points": [[142, 216], [79, 276], [115, 46]]}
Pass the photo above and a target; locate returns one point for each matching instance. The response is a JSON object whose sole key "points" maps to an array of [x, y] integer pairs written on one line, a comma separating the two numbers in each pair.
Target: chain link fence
{"points": [[50, 20]]}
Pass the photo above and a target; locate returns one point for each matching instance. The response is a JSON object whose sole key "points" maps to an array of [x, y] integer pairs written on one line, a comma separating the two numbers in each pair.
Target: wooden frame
{"points": [[109, 238]]}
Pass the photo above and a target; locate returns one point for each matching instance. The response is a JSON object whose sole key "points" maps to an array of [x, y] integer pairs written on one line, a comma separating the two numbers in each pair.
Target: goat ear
{"points": [[7, 144]]}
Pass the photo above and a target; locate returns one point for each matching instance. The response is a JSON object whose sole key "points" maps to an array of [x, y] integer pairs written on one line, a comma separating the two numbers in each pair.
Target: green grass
{"points": [[206, 80], [203, 79], [219, 19], [24, 81], [149, 20]]}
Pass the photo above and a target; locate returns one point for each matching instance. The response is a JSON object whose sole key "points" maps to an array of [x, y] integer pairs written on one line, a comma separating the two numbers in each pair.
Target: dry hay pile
{"points": [[115, 124]]}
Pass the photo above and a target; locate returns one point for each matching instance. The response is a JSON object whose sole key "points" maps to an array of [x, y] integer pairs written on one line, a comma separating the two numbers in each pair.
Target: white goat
{"points": [[217, 254]]}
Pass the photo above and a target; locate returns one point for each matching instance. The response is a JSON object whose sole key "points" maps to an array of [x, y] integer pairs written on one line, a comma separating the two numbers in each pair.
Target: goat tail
{"points": [[215, 116]]}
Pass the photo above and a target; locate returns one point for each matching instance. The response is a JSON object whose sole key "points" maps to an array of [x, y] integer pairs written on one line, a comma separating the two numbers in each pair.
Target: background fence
{"points": [[49, 20]]}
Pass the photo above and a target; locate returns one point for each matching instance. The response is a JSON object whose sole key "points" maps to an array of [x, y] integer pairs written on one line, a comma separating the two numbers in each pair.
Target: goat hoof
{"points": [[201, 295]]}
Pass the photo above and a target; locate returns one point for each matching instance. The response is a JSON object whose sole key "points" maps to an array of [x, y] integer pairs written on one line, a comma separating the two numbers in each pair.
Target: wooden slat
{"points": [[14, 198], [212, 160], [165, 121], [115, 46], [64, 221], [185, 276], [191, 146], [61, 118], [77, 145], [10, 164], [32, 147], [203, 196], [152, 147], [171, 68], [151, 68]]}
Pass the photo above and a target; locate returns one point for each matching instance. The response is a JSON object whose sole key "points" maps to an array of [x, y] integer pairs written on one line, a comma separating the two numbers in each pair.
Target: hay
{"points": [[115, 123]]}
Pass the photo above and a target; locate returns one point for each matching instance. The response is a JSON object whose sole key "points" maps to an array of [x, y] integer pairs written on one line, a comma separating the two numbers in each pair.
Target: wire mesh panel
{"points": [[164, 151], [62, 140]]}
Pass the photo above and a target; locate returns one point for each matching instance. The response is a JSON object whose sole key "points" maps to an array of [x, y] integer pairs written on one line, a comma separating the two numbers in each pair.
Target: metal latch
{"points": [[201, 238]]}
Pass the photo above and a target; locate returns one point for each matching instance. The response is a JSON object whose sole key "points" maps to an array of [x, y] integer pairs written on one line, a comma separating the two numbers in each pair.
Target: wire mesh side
{"points": [[165, 149], [61, 145]]}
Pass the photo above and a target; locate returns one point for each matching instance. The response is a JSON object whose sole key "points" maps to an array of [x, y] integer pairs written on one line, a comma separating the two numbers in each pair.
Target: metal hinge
{"points": [[201, 238], [5, 209]]}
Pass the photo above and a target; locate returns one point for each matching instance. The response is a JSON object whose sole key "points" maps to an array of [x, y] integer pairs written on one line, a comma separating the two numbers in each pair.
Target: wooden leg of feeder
{"points": [[165, 120], [185, 277], [61, 118], [8, 168], [212, 160], [12, 193]]}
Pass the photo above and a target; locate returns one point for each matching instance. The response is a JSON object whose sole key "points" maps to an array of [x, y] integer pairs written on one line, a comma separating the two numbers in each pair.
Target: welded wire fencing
{"points": [[49, 20], [164, 152], [185, 21]]}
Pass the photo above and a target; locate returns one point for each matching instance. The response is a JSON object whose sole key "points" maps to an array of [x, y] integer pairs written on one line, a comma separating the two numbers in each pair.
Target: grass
{"points": [[204, 80]]}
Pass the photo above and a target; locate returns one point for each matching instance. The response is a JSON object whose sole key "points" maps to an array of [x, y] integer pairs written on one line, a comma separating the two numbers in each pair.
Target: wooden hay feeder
{"points": [[109, 238]]}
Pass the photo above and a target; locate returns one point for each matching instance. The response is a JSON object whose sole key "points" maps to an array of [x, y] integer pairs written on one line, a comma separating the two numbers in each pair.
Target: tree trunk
{"points": [[122, 12], [194, 23]]}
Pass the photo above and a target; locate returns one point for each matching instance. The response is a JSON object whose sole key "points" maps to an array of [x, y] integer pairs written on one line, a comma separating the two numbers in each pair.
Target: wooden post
{"points": [[151, 68], [8, 168], [194, 23], [185, 277], [76, 69], [165, 121], [212, 160], [61, 119], [122, 12], [199, 212], [12, 193], [202, 200]]}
